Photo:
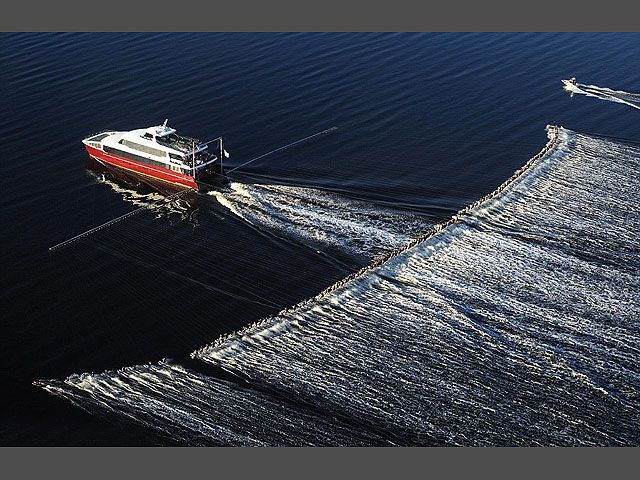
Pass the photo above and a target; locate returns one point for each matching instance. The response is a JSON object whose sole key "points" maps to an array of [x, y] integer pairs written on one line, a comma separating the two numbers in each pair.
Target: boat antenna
{"points": [[165, 122]]}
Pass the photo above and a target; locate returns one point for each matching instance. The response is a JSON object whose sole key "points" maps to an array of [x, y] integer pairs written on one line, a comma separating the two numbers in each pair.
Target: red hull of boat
{"points": [[157, 173]]}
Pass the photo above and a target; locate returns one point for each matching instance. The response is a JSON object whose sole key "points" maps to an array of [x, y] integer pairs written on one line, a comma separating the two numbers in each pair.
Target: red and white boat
{"points": [[158, 153]]}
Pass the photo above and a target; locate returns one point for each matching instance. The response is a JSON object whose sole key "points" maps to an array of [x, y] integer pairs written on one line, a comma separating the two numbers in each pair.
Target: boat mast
{"points": [[193, 158], [221, 156]]}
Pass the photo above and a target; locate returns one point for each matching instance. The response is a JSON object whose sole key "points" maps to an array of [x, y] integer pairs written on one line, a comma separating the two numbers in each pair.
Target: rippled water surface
{"points": [[514, 324]]}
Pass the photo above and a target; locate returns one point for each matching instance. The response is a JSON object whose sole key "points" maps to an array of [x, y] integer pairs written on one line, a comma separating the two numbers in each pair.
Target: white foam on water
{"points": [[322, 219], [514, 324], [192, 409]]}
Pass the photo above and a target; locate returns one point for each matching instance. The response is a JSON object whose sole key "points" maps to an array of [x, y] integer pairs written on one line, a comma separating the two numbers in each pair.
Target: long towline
{"points": [[289, 145], [115, 220]]}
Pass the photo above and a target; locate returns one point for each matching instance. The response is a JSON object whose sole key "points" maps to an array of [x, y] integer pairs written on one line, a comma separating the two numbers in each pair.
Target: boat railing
{"points": [[89, 137]]}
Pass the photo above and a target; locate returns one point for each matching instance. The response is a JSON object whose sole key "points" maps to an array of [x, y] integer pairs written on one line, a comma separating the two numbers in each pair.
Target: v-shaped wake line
{"points": [[515, 323]]}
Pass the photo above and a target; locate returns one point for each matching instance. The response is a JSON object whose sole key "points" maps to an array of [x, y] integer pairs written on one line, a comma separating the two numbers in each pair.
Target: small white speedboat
{"points": [[571, 85]]}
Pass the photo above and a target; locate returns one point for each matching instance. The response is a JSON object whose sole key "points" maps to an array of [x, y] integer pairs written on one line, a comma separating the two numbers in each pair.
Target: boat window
{"points": [[143, 148], [133, 156], [148, 136], [173, 156]]}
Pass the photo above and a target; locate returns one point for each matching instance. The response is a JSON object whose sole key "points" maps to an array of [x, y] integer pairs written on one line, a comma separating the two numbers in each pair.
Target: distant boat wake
{"points": [[617, 96], [515, 323]]}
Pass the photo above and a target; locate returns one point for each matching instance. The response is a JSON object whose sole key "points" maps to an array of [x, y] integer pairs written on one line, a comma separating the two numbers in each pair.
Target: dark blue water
{"points": [[427, 123]]}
